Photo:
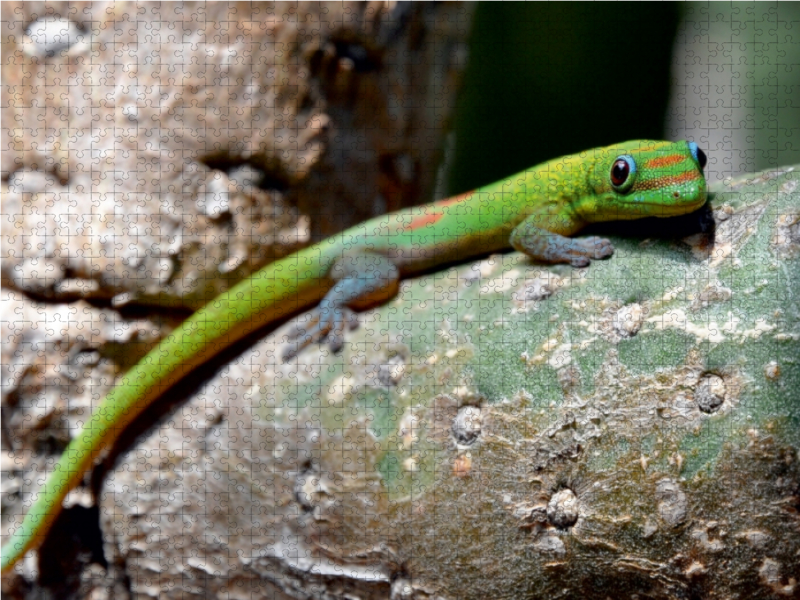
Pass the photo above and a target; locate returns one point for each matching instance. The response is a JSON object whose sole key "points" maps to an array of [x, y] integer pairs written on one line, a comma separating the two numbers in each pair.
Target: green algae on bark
{"points": [[505, 429], [634, 425]]}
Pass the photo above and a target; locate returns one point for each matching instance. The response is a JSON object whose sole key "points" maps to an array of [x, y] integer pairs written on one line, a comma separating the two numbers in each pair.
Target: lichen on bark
{"points": [[508, 429]]}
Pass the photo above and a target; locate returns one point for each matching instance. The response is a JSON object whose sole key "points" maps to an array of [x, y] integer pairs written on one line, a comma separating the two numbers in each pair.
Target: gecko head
{"points": [[646, 179]]}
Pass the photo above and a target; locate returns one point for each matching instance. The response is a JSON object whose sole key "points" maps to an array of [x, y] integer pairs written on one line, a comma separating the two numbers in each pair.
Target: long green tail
{"points": [[279, 289]]}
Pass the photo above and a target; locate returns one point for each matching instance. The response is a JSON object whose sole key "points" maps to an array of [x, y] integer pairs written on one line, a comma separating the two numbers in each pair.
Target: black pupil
{"points": [[701, 158], [620, 172]]}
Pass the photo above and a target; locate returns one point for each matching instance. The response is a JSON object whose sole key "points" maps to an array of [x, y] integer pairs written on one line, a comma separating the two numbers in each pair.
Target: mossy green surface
{"points": [[661, 388]]}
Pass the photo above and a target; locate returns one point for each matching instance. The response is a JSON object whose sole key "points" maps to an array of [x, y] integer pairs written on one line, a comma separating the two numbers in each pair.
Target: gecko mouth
{"points": [[656, 209]]}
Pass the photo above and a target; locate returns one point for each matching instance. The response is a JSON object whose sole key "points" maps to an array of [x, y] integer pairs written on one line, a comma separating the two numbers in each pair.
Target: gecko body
{"points": [[534, 211]]}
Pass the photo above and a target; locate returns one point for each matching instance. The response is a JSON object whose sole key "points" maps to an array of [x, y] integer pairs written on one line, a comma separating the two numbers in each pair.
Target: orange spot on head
{"points": [[664, 182], [664, 161]]}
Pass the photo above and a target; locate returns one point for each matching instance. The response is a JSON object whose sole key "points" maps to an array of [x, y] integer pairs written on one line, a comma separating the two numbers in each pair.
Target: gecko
{"points": [[535, 212]]}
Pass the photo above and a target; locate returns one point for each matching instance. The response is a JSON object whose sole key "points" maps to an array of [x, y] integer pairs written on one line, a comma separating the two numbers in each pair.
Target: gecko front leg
{"points": [[363, 279], [551, 247]]}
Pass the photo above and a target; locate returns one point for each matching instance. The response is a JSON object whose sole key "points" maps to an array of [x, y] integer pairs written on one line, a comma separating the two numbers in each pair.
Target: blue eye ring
{"points": [[623, 173], [698, 155]]}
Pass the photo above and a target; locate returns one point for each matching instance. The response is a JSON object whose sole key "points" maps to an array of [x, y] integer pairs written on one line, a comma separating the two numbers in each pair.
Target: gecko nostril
{"points": [[676, 195]]}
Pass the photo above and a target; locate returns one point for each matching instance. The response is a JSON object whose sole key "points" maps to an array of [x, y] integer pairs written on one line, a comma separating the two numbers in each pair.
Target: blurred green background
{"points": [[547, 79]]}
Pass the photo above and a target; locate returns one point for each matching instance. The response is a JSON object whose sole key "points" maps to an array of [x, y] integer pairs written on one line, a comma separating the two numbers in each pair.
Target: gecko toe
{"points": [[597, 247], [353, 322], [324, 325], [580, 261], [603, 248]]}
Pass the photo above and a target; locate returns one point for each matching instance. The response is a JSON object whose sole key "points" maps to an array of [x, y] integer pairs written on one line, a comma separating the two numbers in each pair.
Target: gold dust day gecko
{"points": [[533, 211]]}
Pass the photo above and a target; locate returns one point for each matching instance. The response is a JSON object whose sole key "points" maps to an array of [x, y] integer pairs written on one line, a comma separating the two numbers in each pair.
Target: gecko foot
{"points": [[324, 324], [582, 251]]}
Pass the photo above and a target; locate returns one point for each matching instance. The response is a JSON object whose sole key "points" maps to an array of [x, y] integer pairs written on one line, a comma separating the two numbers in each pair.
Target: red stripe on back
{"points": [[454, 199], [434, 212], [423, 220]]}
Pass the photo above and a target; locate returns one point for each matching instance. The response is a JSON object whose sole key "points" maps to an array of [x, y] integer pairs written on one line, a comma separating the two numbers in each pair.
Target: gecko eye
{"points": [[698, 155], [623, 173]]}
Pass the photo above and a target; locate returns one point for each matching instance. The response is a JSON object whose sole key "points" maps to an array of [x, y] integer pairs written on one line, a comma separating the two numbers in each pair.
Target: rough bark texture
{"points": [[154, 154], [169, 150], [503, 430], [499, 430], [507, 430]]}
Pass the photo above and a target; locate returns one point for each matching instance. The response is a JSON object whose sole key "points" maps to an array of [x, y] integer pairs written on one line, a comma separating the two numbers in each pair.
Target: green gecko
{"points": [[533, 212]]}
